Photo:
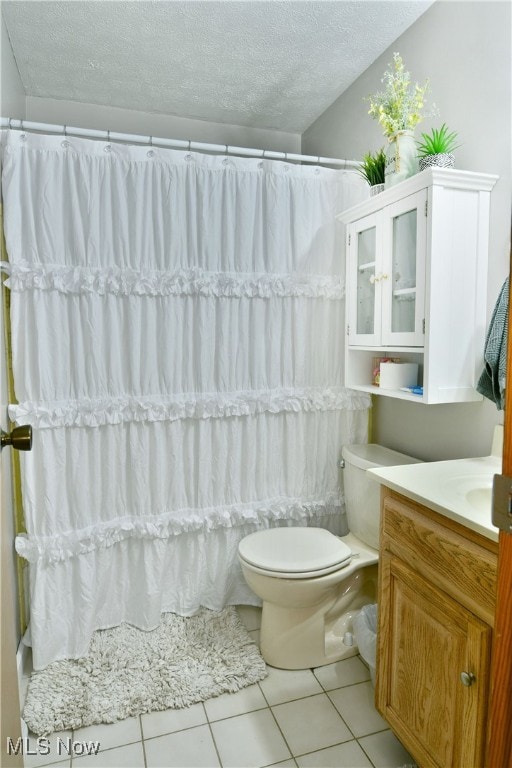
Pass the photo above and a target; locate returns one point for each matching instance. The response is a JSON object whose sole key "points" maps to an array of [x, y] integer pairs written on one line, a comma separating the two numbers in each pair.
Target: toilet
{"points": [[311, 582]]}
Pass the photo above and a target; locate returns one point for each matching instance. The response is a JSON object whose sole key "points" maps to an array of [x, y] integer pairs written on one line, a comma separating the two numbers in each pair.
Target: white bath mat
{"points": [[128, 671]]}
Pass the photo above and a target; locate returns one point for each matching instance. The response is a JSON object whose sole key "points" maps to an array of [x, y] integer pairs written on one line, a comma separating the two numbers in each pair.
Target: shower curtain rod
{"points": [[66, 130]]}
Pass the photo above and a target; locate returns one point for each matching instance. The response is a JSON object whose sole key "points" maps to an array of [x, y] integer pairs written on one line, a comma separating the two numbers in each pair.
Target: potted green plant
{"points": [[372, 169], [399, 108], [437, 147]]}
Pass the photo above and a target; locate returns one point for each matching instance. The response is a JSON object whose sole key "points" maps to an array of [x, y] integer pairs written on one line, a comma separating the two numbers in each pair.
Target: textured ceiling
{"points": [[272, 64]]}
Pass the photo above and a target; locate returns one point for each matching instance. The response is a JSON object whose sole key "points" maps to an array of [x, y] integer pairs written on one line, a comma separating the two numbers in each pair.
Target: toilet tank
{"points": [[362, 494]]}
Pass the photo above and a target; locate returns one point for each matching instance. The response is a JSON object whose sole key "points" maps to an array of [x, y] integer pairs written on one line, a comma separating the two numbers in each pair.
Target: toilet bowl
{"points": [[311, 582]]}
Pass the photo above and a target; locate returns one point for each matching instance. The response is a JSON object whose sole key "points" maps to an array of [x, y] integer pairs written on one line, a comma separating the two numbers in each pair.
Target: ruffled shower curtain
{"points": [[177, 348]]}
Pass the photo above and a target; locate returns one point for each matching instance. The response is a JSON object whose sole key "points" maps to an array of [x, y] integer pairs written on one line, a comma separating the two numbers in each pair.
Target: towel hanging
{"points": [[491, 383]]}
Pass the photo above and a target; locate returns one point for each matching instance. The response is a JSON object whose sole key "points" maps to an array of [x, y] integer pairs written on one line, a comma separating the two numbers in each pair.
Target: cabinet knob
{"points": [[467, 679], [378, 278]]}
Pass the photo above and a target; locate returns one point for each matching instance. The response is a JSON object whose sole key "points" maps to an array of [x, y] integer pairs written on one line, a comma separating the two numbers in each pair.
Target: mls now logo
{"points": [[43, 746]]}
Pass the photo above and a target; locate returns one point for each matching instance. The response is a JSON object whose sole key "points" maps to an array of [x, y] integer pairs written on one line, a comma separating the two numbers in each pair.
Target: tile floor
{"points": [[309, 718]]}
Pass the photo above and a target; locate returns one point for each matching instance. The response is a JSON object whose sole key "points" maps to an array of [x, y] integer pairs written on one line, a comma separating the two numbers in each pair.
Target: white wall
{"points": [[464, 48], [12, 93], [81, 115]]}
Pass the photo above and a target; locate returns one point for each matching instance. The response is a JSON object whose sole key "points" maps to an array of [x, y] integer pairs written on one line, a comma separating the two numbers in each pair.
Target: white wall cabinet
{"points": [[416, 280]]}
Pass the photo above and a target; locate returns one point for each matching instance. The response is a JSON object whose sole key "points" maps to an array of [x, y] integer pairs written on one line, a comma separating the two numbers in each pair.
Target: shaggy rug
{"points": [[128, 671]]}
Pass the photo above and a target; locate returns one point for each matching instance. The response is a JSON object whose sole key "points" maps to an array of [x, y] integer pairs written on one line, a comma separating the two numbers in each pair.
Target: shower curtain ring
{"points": [[10, 123], [189, 144], [65, 130], [150, 141]]}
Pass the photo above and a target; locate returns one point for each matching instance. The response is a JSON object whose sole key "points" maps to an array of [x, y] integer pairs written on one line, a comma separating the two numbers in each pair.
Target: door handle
{"points": [[20, 438]]}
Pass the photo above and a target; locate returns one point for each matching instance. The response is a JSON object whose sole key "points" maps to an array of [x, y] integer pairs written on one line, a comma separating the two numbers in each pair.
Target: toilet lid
{"points": [[294, 550]]}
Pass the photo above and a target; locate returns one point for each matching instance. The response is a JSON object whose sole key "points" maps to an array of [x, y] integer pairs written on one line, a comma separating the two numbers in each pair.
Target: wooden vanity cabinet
{"points": [[437, 582]]}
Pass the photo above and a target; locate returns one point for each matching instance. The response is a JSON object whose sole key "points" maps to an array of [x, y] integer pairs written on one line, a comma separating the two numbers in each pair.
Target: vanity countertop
{"points": [[460, 489]]}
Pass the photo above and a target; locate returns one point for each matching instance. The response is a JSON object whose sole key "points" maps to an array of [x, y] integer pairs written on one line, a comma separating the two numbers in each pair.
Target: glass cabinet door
{"points": [[365, 285], [403, 272], [363, 296], [404, 282]]}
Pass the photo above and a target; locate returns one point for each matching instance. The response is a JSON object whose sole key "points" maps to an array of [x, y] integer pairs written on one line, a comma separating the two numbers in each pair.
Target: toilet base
{"points": [[301, 638]]}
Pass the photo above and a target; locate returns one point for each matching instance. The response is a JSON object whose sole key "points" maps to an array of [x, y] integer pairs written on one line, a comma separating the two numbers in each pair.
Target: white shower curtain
{"points": [[177, 347]]}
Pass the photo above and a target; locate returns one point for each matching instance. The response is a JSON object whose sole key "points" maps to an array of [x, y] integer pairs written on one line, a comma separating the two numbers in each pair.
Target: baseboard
{"points": [[22, 658], [21, 665]]}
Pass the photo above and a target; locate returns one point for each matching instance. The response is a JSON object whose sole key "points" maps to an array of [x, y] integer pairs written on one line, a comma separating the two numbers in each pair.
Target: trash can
{"points": [[365, 633]]}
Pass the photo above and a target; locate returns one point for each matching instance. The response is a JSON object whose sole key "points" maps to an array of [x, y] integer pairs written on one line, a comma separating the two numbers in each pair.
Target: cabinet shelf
{"points": [[384, 351], [398, 393]]}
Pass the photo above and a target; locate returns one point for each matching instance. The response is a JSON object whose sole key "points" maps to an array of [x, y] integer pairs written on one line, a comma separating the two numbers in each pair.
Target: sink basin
{"points": [[475, 489], [480, 498], [460, 488]]}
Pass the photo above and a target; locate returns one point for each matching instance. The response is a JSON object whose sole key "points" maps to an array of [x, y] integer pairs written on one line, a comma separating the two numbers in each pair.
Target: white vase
{"points": [[401, 157]]}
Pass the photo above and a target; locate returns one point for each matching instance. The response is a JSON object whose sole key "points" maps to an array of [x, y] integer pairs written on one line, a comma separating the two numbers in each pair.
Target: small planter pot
{"points": [[401, 158], [376, 189], [443, 160]]}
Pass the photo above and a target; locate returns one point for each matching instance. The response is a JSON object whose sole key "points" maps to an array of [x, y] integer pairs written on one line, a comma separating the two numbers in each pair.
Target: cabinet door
{"points": [[363, 276], [404, 246], [426, 641]]}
